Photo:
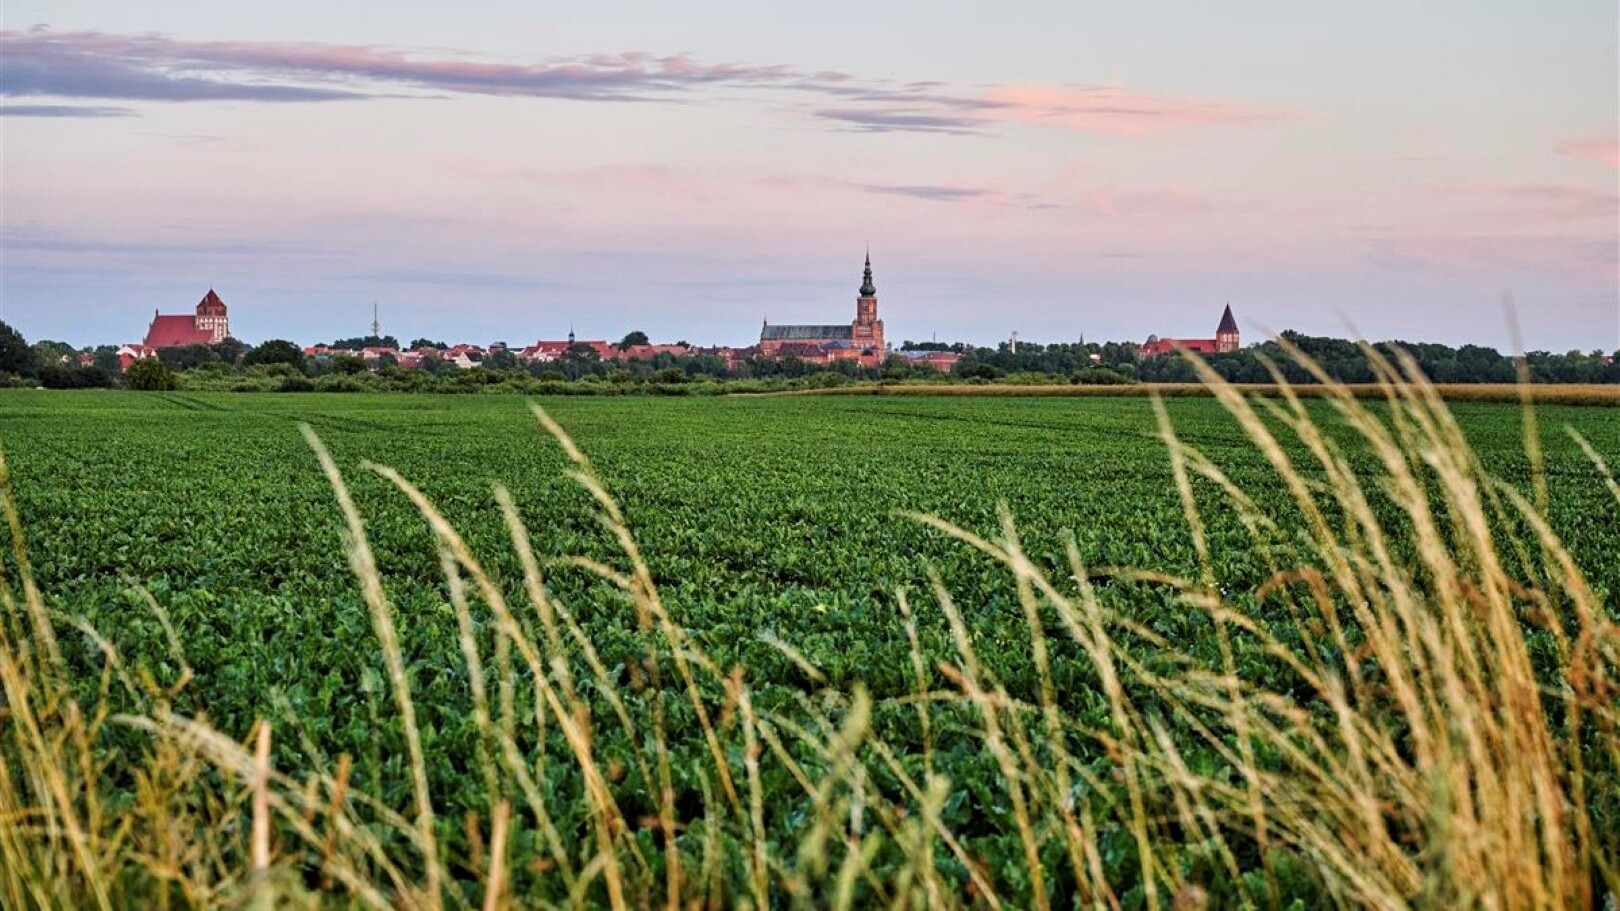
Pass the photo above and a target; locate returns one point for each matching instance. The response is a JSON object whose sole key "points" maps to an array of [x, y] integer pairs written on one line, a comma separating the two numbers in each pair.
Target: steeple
{"points": [[867, 288], [1226, 334]]}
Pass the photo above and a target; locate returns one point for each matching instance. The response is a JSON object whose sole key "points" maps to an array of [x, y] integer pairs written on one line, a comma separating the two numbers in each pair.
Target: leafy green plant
{"points": [[1242, 651]]}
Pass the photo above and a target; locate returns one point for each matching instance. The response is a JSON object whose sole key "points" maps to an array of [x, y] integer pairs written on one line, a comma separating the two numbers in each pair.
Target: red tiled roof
{"points": [[175, 331], [641, 352], [1157, 346]]}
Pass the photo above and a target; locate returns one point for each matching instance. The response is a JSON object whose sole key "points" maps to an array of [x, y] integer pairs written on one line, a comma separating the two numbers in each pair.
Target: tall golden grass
{"points": [[1418, 754]]}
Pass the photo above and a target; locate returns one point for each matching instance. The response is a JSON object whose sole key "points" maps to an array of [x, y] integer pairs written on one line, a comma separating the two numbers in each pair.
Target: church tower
{"points": [[1226, 334], [867, 330], [211, 317]]}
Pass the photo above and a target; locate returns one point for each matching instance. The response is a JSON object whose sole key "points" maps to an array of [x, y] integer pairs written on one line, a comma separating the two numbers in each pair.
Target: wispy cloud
{"points": [[102, 66], [1602, 150], [62, 110], [1115, 110], [928, 192], [93, 65], [1560, 201], [893, 121], [150, 67]]}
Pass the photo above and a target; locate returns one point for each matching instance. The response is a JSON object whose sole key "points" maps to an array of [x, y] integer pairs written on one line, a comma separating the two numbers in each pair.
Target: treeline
{"points": [[1340, 359]]}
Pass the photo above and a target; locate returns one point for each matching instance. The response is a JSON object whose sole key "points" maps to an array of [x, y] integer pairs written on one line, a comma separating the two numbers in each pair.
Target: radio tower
{"points": [[376, 327]]}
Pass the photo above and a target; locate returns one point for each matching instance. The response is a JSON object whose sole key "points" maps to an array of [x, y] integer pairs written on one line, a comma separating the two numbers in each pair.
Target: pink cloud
{"points": [[1581, 260], [1561, 202], [1114, 203], [1114, 110], [1603, 151]]}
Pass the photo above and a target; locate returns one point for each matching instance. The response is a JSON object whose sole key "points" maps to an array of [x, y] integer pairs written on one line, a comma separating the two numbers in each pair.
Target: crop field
{"points": [[782, 537]]}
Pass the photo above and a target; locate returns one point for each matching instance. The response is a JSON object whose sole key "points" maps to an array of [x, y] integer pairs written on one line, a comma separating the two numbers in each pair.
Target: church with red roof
{"points": [[207, 326], [1224, 342]]}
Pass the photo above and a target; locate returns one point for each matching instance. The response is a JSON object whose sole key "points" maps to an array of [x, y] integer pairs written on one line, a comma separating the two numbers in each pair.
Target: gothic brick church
{"points": [[860, 341], [1225, 340], [209, 325]]}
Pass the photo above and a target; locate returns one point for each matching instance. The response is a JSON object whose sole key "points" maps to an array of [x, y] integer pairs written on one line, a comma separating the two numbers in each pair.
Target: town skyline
{"points": [[1051, 170]]}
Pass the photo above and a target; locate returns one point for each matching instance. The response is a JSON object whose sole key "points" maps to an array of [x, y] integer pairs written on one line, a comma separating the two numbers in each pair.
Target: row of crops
{"points": [[763, 522]]}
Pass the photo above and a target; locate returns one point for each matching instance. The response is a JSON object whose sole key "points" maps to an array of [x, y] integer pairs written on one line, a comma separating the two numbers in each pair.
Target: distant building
{"points": [[860, 341], [464, 357], [208, 325], [544, 352], [942, 361], [129, 354], [1225, 340], [648, 352], [734, 358]]}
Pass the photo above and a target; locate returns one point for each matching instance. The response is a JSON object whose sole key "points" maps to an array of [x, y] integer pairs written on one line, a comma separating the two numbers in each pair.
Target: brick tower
{"points": [[867, 330], [1226, 334], [211, 318]]}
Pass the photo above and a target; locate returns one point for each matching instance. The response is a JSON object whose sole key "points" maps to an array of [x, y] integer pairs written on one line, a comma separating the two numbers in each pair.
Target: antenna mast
{"points": [[376, 327]]}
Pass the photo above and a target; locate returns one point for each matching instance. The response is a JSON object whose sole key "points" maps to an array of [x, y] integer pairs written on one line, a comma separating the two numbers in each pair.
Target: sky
{"points": [[506, 171]]}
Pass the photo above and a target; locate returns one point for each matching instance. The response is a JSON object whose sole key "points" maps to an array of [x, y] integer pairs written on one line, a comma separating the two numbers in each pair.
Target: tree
{"points": [[107, 359], [636, 337], [229, 350], [346, 363], [150, 375], [48, 352], [275, 351], [187, 357], [15, 355], [365, 341], [501, 359], [421, 343], [579, 360]]}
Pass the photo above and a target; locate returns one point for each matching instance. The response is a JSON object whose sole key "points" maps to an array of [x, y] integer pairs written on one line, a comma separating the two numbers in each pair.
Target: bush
{"points": [[346, 364], [340, 382], [296, 384], [1031, 378], [1102, 376], [149, 375], [61, 376], [977, 371]]}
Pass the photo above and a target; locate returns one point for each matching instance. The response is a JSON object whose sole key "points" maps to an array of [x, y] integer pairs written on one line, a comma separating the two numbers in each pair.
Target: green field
{"points": [[758, 517]]}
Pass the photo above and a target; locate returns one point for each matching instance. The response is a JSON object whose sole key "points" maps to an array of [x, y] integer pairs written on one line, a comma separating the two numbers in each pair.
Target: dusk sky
{"points": [[505, 170]]}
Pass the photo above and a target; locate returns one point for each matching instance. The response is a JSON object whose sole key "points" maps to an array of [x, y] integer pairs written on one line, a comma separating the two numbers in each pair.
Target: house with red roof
{"points": [[129, 354], [544, 352], [942, 361], [648, 352], [208, 325]]}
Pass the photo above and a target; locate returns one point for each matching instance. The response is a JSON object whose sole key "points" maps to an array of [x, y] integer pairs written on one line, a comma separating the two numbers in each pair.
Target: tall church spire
{"points": [[867, 288]]}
